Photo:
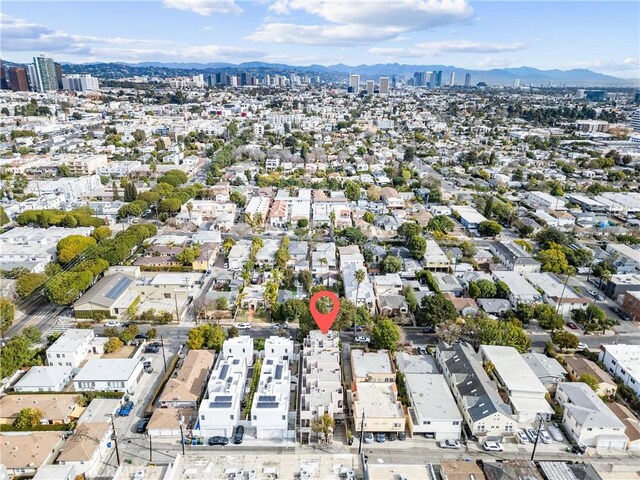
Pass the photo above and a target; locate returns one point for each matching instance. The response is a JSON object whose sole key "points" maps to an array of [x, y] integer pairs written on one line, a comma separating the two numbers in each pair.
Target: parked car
{"points": [[555, 433], [592, 292], [452, 444], [545, 437], [113, 323], [362, 339], [532, 434], [148, 369], [582, 346], [368, 437], [392, 436], [624, 316], [381, 437], [142, 336], [491, 446], [356, 328], [522, 436], [616, 310], [421, 350], [600, 298], [151, 349], [572, 326], [402, 436], [141, 426], [429, 330], [579, 449], [243, 326], [218, 440], [238, 435]]}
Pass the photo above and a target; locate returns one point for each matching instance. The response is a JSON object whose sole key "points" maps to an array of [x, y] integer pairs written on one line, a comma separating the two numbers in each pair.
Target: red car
{"points": [[572, 326]]}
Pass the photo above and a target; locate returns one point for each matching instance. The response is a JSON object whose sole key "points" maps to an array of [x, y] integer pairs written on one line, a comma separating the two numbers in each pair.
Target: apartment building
{"points": [[378, 403], [184, 389], [72, 347], [112, 375], [84, 164], [520, 290], [270, 408], [372, 367], [623, 362], [239, 347]]}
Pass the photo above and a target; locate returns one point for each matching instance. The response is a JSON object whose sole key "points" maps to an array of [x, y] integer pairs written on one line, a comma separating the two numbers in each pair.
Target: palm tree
{"points": [[189, 208]]}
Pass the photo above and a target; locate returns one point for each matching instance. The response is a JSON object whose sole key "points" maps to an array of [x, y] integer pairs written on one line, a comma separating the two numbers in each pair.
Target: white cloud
{"points": [[630, 63], [360, 21], [449, 46], [204, 7], [22, 36], [496, 61]]}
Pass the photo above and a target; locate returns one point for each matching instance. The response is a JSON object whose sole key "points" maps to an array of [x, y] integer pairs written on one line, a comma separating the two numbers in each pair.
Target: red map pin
{"points": [[324, 320]]}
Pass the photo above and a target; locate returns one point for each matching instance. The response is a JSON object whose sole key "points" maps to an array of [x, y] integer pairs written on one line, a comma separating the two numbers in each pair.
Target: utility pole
{"points": [[361, 434], [150, 447], [175, 297], [535, 444], [164, 358], [181, 434], [115, 439]]}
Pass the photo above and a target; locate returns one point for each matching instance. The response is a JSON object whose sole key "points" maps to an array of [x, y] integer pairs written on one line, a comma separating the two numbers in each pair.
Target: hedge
{"points": [[61, 427]]}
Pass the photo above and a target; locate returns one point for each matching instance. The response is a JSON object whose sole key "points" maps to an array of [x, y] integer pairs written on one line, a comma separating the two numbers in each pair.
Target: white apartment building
{"points": [[554, 291], [112, 375], [433, 409], [270, 408], [80, 83], [239, 254], [220, 408], [520, 291], [258, 205], [527, 394], [278, 347], [587, 419], [72, 348], [544, 200], [625, 258], [623, 362], [321, 388], [239, 347]]}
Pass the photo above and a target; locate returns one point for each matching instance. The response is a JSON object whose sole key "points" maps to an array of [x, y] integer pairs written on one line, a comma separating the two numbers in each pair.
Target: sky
{"points": [[603, 36]]}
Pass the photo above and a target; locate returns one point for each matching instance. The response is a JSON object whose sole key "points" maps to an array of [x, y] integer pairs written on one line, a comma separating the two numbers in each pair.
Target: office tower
{"points": [[370, 87], [354, 83], [384, 84], [467, 80], [80, 83], [452, 80], [18, 81], [595, 95], [4, 83], [516, 82], [45, 74], [435, 79], [637, 98], [58, 68], [635, 121]]}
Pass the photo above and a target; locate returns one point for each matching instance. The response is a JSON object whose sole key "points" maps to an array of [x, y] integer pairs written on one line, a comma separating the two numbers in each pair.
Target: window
{"points": [[456, 422], [284, 417], [201, 417], [589, 429], [167, 295], [255, 417], [230, 417]]}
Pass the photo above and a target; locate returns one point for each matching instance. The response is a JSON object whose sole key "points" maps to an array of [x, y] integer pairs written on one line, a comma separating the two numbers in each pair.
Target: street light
{"points": [[361, 433], [535, 444], [164, 358], [181, 422]]}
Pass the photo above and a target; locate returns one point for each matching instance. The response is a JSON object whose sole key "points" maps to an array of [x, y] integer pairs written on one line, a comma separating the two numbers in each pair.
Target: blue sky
{"points": [[600, 35]]}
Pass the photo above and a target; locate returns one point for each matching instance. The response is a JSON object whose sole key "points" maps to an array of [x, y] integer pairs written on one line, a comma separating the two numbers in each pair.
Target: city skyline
{"points": [[470, 35]]}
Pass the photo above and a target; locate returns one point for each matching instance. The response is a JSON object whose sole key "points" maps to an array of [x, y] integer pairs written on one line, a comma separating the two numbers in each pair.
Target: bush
{"points": [[113, 344]]}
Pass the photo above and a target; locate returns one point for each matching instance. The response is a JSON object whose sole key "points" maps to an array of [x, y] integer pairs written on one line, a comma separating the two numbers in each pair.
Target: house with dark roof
{"points": [[483, 410]]}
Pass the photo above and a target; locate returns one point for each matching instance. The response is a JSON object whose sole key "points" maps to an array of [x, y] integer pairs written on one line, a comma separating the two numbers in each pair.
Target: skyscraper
{"points": [[370, 87], [467, 80], [452, 80], [4, 84], [354, 83], [516, 82], [384, 84], [45, 74], [18, 81], [58, 68], [435, 80]]}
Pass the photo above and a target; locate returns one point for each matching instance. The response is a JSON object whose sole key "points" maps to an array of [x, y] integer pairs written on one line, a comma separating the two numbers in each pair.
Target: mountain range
{"points": [[496, 76]]}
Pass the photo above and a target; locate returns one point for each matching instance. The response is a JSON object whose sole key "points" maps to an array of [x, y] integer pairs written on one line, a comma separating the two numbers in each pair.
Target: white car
{"points": [[362, 339], [545, 437], [556, 434], [453, 444], [593, 293], [491, 446], [583, 346], [113, 323], [243, 326], [522, 436]]}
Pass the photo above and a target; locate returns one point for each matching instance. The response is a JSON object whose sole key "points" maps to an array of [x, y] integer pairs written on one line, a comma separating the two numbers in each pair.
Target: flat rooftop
{"points": [[371, 363], [513, 370]]}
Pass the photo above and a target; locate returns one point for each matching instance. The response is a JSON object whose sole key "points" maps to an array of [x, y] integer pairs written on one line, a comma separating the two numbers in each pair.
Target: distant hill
{"points": [[496, 76]]}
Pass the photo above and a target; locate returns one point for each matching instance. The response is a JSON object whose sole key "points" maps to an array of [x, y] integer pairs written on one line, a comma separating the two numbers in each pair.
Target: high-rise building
{"points": [[80, 83], [452, 80], [45, 70], [4, 83], [58, 68], [384, 85], [18, 81], [31, 76], [516, 82], [435, 79], [467, 80], [637, 98], [354, 83], [370, 87], [635, 121]]}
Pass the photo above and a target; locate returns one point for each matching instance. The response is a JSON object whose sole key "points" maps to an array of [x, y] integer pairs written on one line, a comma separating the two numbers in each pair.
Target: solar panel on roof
{"points": [[267, 405], [223, 371], [266, 398], [278, 372], [223, 398], [120, 286], [220, 405], [269, 362]]}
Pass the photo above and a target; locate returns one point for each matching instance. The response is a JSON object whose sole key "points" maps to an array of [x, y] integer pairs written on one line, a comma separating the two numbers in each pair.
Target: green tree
{"points": [[233, 332], [206, 336], [411, 298], [440, 223], [188, 255], [64, 170], [352, 190], [116, 192], [4, 218], [112, 345], [547, 317], [323, 426], [129, 333], [391, 264], [152, 333], [302, 223], [385, 335], [435, 309], [482, 289], [101, 233], [65, 288], [27, 283], [417, 246], [369, 217], [408, 230], [7, 315], [130, 192], [553, 260], [564, 339], [169, 205], [32, 334], [489, 228], [222, 303], [590, 380], [238, 199], [502, 289], [70, 247], [499, 332], [28, 418], [306, 279]]}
